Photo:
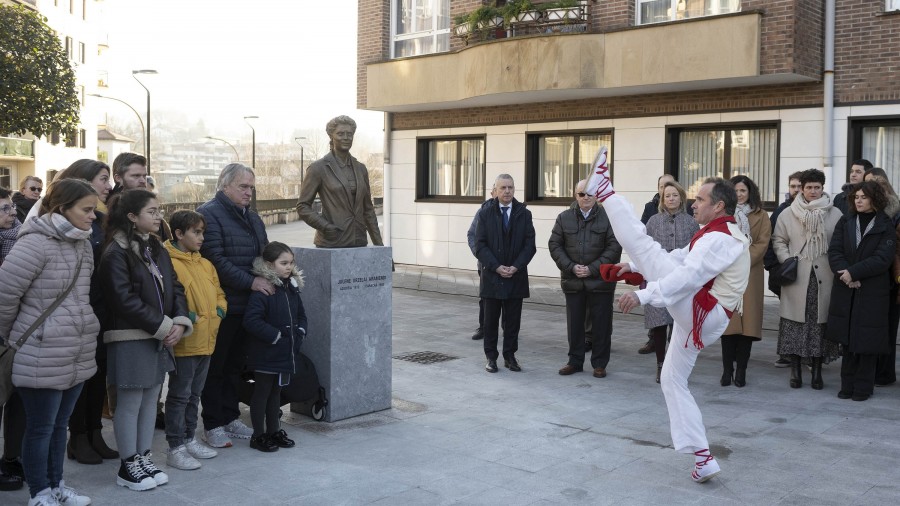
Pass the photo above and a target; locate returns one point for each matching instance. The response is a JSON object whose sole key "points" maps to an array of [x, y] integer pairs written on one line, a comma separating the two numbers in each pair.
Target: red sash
{"points": [[704, 302]]}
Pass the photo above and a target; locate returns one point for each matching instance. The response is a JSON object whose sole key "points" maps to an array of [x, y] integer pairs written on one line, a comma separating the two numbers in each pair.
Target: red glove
{"points": [[610, 273]]}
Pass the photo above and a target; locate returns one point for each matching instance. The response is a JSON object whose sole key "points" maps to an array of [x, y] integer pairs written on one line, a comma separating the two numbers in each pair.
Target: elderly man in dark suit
{"points": [[504, 244], [342, 184], [581, 240]]}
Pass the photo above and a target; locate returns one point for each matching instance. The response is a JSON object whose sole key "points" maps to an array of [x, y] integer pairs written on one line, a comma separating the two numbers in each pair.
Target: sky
{"points": [[290, 62]]}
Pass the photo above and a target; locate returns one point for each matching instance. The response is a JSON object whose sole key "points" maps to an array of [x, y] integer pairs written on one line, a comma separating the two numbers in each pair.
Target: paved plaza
{"points": [[458, 435]]}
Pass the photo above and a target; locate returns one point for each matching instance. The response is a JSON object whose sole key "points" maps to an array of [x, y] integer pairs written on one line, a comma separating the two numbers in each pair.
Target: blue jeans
{"points": [[46, 421]]}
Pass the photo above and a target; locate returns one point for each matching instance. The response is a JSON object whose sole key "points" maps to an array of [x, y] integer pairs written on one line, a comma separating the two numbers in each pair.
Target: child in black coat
{"points": [[277, 324]]}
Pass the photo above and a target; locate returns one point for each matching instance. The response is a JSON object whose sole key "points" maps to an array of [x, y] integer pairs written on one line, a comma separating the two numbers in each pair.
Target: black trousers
{"points": [[220, 398], [858, 373], [885, 370], [600, 306], [265, 404], [512, 317], [88, 411], [13, 426]]}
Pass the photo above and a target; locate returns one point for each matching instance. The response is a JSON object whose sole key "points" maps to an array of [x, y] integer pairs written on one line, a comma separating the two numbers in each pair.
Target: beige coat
{"points": [[787, 240], [749, 323]]}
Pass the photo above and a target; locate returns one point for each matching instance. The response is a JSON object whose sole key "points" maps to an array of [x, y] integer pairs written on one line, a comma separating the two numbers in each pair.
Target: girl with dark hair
{"points": [[277, 325], [746, 326], [146, 316], [46, 285], [861, 254]]}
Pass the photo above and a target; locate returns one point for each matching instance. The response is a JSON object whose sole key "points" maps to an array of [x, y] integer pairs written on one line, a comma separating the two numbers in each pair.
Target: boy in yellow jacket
{"points": [[206, 303]]}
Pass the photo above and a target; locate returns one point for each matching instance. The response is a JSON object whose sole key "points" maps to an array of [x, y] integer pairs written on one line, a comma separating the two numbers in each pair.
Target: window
{"points": [[878, 141], [81, 52], [5, 177], [71, 6], [450, 169], [695, 154], [660, 11], [555, 162], [419, 27], [892, 5], [70, 48]]}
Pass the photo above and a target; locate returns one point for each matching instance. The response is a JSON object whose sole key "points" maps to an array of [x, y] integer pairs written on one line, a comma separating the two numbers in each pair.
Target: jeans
{"points": [[44, 446], [183, 399]]}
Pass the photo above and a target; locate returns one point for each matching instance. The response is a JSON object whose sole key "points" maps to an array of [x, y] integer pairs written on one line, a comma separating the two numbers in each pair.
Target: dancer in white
{"points": [[701, 285]]}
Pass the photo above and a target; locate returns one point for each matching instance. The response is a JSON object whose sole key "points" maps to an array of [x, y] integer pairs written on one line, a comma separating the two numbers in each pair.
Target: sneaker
{"points": [[45, 497], [281, 439], [132, 475], [217, 438], [782, 362], [198, 450], [263, 444], [705, 469], [179, 458], [150, 468], [237, 430], [68, 497]]}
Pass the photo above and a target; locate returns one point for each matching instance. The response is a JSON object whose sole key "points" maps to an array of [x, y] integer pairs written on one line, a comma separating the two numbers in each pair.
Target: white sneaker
{"points": [[705, 470], [179, 458], [133, 476], [199, 450], [67, 496], [45, 497], [150, 468], [237, 430], [217, 438]]}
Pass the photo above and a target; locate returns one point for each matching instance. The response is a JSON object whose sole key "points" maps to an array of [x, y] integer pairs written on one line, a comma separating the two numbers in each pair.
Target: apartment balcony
{"points": [[704, 53], [13, 148]]}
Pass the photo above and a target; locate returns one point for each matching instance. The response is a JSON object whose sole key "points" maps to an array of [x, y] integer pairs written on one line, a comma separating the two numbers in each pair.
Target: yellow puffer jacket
{"points": [[204, 295]]}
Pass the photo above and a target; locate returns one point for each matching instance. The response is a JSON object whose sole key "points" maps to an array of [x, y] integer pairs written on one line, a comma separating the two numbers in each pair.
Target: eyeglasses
{"points": [[36, 189], [8, 209], [156, 213], [581, 194]]}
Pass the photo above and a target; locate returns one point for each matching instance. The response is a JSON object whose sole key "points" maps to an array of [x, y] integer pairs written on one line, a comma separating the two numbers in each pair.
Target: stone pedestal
{"points": [[347, 297]]}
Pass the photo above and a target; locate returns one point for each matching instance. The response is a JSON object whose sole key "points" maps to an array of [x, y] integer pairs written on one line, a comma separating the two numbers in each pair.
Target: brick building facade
{"points": [[692, 88]]}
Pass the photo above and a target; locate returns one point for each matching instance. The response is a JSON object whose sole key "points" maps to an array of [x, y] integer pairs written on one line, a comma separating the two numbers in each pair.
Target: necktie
{"points": [[505, 217]]}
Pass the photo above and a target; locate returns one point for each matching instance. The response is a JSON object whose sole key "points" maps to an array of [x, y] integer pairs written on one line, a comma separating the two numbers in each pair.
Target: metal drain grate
{"points": [[425, 357]]}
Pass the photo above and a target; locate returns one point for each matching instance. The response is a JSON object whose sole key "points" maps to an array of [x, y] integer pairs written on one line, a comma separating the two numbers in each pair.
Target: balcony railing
{"points": [[15, 147]]}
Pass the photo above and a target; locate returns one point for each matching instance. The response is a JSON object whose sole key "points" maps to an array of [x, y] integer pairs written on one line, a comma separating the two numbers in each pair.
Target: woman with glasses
{"points": [[146, 316], [29, 192]]}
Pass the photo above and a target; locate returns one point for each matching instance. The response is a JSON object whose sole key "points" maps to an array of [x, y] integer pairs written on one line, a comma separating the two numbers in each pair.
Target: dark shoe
{"points": [[569, 369], [9, 482], [740, 378], [491, 366], [649, 347], [12, 467], [512, 364], [860, 397], [263, 444], [599, 372], [726, 378], [99, 445], [796, 371], [782, 362], [479, 334], [816, 380], [844, 394], [281, 439], [658, 371], [161, 421], [79, 448]]}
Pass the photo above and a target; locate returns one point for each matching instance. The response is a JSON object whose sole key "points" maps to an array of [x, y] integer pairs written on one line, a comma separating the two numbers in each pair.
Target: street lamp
{"points": [[237, 158], [252, 157], [134, 74], [297, 140], [140, 120]]}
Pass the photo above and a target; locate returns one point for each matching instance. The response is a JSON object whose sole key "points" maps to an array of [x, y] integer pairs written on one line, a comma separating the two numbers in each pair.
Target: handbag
{"points": [[9, 353], [786, 272]]}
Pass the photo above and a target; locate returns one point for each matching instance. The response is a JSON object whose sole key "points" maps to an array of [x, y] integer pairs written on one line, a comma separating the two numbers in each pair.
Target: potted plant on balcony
{"points": [[563, 11], [483, 19], [520, 11]]}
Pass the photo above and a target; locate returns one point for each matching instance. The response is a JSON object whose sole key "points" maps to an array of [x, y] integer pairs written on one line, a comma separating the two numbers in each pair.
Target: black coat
{"points": [[266, 317], [586, 241], [495, 247], [858, 317], [232, 241]]}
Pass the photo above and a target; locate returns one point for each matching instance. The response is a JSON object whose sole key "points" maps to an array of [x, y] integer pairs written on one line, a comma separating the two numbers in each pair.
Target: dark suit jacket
{"points": [[495, 247], [344, 220]]}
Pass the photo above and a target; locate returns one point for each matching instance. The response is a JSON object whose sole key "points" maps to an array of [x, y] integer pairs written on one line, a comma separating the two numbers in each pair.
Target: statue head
{"points": [[342, 129]]}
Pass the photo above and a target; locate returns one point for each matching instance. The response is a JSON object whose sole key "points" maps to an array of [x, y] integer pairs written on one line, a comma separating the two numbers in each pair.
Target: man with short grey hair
{"points": [[504, 244]]}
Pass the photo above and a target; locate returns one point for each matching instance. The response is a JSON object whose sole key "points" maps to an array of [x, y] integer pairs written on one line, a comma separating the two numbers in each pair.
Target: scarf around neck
{"points": [[740, 215], [67, 230], [811, 216]]}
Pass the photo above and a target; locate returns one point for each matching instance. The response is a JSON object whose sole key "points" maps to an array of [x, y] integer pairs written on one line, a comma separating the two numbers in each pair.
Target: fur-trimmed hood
{"points": [[261, 269]]}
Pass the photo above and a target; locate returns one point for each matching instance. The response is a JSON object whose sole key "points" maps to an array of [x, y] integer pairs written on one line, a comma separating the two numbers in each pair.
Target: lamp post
{"points": [[298, 141], [252, 157], [237, 157], [134, 74], [140, 120]]}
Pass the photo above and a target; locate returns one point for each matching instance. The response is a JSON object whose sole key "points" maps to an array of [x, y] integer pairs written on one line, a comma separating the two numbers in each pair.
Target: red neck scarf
{"points": [[704, 302]]}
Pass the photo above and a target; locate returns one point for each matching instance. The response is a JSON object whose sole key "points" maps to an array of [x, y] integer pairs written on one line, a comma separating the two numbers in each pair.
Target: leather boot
{"points": [[658, 371], [728, 349], [99, 445], [796, 368], [742, 356], [816, 379], [79, 448]]}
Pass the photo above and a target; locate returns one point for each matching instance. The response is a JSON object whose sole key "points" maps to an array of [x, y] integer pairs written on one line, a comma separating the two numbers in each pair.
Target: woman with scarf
{"points": [[861, 254], [746, 327], [804, 230]]}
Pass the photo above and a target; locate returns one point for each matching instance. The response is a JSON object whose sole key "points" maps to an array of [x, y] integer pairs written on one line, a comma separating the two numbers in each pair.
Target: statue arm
{"points": [[369, 214], [308, 191]]}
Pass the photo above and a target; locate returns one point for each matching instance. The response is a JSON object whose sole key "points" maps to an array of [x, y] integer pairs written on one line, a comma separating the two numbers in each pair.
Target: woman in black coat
{"points": [[861, 253]]}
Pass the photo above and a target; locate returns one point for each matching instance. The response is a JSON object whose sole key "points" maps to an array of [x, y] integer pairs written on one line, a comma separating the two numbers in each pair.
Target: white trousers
{"points": [[653, 262]]}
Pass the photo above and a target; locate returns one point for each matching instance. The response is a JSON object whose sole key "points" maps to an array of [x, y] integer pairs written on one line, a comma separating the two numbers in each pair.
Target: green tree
{"points": [[37, 83]]}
